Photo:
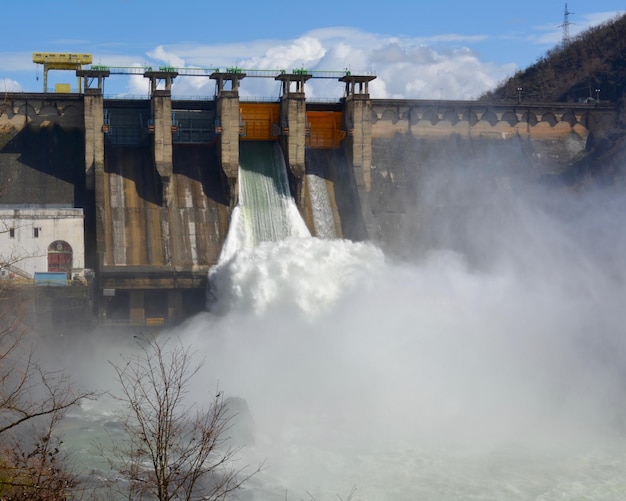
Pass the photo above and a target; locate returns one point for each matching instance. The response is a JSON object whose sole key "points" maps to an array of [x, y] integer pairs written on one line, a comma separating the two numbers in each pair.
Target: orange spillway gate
{"points": [[261, 122], [257, 120], [325, 129]]}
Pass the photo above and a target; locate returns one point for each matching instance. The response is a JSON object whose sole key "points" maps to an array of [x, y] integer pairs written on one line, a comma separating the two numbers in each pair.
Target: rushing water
{"points": [[424, 380], [320, 207], [419, 382], [266, 211], [430, 380]]}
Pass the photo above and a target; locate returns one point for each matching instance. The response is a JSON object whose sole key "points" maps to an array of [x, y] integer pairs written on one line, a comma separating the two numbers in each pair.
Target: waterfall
{"points": [[321, 193], [323, 219], [266, 212]]}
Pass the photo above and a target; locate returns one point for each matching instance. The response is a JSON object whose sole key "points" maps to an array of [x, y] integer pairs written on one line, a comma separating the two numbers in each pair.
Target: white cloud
{"points": [[301, 52], [138, 85], [410, 68], [9, 85], [405, 67], [168, 57]]}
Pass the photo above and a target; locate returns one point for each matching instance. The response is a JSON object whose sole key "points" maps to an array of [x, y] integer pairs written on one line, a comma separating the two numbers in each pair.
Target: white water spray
{"points": [[431, 379], [320, 207], [418, 382]]}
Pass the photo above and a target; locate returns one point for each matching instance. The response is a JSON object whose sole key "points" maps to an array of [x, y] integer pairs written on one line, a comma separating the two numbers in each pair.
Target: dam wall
{"points": [[433, 161], [157, 178], [42, 150], [160, 236]]}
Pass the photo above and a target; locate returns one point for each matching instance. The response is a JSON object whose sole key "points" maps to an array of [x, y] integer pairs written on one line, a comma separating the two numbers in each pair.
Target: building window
{"points": [[11, 232], [35, 232]]}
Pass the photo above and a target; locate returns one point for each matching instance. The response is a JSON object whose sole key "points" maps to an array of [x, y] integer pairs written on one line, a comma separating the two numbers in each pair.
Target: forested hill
{"points": [[592, 65]]}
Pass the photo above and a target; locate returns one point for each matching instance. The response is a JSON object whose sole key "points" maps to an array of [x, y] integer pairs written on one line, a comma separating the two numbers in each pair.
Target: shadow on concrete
{"points": [[134, 162], [43, 166], [200, 163]]}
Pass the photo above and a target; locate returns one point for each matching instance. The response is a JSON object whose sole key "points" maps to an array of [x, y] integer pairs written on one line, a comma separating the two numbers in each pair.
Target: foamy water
{"points": [[423, 381], [308, 273], [409, 381], [431, 379]]}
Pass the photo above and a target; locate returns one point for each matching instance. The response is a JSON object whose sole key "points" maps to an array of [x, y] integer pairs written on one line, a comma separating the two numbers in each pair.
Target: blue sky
{"points": [[438, 49]]}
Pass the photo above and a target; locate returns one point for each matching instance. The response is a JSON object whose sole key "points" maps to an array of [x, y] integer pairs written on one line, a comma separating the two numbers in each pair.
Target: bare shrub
{"points": [[172, 449]]}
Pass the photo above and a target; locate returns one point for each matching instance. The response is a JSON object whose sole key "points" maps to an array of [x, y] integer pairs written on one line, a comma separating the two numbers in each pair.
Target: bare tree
{"points": [[33, 400], [172, 448], [27, 390], [37, 469]]}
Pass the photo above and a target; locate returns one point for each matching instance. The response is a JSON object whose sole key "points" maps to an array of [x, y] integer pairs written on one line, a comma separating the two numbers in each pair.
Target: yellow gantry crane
{"points": [[60, 61]]}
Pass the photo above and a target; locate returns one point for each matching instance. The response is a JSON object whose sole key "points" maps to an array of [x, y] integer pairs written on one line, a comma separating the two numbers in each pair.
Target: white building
{"points": [[41, 240]]}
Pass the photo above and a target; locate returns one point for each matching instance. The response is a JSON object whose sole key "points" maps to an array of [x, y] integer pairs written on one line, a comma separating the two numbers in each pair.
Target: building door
{"points": [[60, 257]]}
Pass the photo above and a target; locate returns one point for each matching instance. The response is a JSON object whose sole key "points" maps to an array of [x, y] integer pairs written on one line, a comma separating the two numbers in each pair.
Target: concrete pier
{"points": [[228, 128], [358, 144], [94, 123], [293, 127], [161, 127]]}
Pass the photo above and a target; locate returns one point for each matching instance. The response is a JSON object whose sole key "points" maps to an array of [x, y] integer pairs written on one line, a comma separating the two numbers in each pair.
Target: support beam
{"points": [[158, 77], [91, 76]]}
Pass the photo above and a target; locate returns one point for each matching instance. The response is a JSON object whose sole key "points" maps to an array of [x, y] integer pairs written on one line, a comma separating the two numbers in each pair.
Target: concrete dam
{"points": [[156, 179]]}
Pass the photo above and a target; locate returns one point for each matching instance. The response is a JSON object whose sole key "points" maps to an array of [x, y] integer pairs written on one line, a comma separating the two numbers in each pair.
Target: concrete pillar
{"points": [[228, 128], [161, 127], [358, 142], [293, 128], [95, 129], [95, 126]]}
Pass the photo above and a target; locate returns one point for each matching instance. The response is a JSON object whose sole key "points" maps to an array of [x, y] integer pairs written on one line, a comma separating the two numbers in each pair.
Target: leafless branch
{"points": [[184, 446]]}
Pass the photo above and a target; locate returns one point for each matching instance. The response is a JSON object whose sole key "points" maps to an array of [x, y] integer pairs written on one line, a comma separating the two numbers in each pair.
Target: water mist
{"points": [[492, 370], [488, 369]]}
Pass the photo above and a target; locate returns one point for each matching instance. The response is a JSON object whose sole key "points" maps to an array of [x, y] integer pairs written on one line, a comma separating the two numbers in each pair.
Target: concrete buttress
{"points": [[228, 129], [358, 143], [293, 128]]}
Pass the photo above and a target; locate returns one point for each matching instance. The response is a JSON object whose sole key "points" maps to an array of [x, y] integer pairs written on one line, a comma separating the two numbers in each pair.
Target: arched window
{"points": [[60, 257]]}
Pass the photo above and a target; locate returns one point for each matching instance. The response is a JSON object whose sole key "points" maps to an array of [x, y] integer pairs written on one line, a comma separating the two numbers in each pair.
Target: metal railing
{"points": [[207, 72], [129, 97], [244, 99]]}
